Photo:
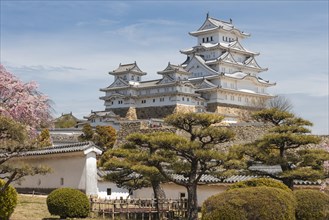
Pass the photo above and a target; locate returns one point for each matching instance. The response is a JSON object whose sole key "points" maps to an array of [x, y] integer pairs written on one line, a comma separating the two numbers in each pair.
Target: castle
{"points": [[219, 75]]}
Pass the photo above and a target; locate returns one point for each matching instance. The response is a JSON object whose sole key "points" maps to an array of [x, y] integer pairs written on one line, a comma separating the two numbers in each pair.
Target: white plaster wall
{"points": [[69, 166], [116, 192], [91, 173], [173, 191], [246, 84]]}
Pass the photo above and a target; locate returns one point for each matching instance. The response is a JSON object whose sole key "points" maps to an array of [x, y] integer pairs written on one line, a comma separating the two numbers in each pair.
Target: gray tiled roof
{"points": [[67, 148], [204, 179], [212, 179], [266, 168], [237, 178]]}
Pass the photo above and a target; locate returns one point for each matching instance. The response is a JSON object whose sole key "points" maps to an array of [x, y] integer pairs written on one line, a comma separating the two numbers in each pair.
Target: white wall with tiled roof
{"points": [[71, 166]]}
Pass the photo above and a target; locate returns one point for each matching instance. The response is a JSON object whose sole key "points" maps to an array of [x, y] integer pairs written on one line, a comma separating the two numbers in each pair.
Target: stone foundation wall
{"points": [[155, 112], [131, 114], [122, 112], [244, 132], [184, 109], [138, 127], [242, 112]]}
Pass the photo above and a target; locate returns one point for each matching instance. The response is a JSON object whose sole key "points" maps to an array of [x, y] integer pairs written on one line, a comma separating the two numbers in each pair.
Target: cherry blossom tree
{"points": [[23, 109], [23, 102]]}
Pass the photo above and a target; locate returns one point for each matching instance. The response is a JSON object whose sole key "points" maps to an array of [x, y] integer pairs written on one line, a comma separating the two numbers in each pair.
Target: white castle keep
{"points": [[219, 75]]}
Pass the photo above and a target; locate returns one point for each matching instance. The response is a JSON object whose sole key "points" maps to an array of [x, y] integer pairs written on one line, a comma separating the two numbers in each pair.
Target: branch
{"points": [[11, 178]]}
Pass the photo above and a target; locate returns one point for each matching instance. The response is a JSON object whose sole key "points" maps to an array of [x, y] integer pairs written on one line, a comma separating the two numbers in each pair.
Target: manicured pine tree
{"points": [[131, 168], [195, 151], [286, 145]]}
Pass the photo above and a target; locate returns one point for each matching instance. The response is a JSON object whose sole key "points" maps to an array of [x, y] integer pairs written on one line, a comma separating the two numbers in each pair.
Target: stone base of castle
{"points": [[243, 113], [132, 113]]}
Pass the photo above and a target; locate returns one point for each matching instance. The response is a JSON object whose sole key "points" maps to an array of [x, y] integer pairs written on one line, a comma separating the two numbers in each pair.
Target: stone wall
{"points": [[242, 112], [184, 109], [155, 112], [244, 132], [122, 112], [132, 113]]}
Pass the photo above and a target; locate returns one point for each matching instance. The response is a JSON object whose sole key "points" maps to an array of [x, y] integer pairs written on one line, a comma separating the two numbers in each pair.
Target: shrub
{"points": [[260, 182], [250, 203], [8, 201], [67, 202], [312, 204]]}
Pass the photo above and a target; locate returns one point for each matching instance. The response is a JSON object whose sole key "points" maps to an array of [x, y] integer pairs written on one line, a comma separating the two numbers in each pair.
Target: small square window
{"points": [[182, 195], [108, 191]]}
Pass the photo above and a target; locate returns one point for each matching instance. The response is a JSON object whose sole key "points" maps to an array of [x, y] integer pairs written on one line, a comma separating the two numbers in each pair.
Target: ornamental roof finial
{"points": [[231, 21], [207, 14]]}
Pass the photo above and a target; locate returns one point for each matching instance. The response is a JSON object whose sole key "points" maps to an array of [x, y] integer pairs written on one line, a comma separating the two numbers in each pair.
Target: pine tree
{"points": [[14, 142], [191, 154], [44, 139], [131, 167], [285, 145], [87, 133]]}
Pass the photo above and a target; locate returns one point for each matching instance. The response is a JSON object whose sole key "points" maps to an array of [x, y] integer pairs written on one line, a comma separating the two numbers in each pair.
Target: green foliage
{"points": [[66, 121], [256, 182], [103, 136], [196, 152], [8, 201], [312, 205], [284, 146], [44, 139], [87, 133], [12, 134], [67, 202], [15, 141], [264, 203]]}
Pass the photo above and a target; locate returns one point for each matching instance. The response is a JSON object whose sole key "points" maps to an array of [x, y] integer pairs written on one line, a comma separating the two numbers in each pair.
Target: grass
{"points": [[34, 207]]}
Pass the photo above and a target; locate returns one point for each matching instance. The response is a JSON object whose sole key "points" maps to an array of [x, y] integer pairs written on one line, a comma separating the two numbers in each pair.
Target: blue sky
{"points": [[68, 47]]}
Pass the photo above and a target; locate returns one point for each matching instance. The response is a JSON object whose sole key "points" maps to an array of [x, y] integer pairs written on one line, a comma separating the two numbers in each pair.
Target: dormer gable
{"points": [[207, 25], [227, 57], [251, 62], [198, 68], [118, 83], [165, 80], [176, 72], [236, 45], [173, 69], [205, 84], [128, 68]]}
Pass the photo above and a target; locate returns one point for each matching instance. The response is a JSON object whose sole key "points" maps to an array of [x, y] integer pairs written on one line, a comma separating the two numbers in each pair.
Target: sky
{"points": [[68, 47]]}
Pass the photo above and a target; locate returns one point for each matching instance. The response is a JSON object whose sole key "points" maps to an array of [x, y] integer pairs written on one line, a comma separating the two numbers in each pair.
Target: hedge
{"points": [[8, 201], [312, 204], [260, 182], [266, 203], [67, 202]]}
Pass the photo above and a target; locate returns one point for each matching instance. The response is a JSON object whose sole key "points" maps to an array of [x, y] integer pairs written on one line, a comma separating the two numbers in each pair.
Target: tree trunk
{"points": [[192, 202], [159, 194], [3, 189], [289, 183]]}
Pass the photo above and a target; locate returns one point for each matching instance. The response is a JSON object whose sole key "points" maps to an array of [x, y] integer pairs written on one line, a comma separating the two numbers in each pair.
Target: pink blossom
{"points": [[22, 101]]}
